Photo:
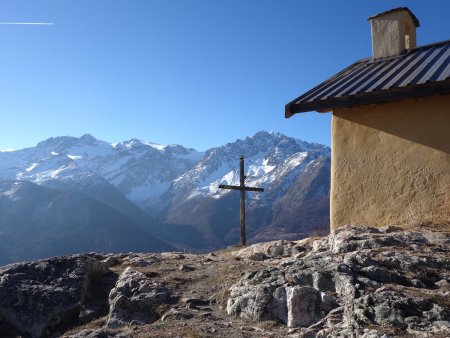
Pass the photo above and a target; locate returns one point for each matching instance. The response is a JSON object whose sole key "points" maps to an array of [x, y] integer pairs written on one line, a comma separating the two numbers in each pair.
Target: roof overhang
{"points": [[392, 94], [422, 71]]}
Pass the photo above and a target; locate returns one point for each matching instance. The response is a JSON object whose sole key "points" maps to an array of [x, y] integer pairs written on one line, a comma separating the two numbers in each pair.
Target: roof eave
{"points": [[393, 94], [292, 108]]}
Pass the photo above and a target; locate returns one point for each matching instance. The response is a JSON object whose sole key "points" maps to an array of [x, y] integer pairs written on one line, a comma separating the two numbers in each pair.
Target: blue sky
{"points": [[195, 72]]}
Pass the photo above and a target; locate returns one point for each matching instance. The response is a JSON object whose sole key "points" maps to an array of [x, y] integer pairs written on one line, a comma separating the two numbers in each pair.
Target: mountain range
{"points": [[70, 194]]}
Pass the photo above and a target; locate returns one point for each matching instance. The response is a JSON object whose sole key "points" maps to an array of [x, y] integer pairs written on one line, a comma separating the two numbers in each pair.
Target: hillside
{"points": [[38, 222], [357, 282]]}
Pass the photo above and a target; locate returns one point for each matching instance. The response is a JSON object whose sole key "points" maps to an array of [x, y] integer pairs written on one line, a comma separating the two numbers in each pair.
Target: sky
{"points": [[199, 73]]}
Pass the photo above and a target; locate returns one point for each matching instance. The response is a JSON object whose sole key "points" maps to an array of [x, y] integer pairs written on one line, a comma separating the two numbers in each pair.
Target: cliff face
{"points": [[357, 282]]}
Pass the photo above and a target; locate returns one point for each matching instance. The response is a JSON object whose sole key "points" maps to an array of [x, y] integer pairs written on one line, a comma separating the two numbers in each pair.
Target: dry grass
{"points": [[390, 331], [229, 250], [211, 280], [436, 298], [92, 325], [164, 330]]}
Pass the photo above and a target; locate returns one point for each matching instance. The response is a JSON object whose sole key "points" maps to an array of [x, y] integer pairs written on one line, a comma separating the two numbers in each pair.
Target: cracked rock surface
{"points": [[135, 299], [40, 298], [356, 282], [389, 279]]}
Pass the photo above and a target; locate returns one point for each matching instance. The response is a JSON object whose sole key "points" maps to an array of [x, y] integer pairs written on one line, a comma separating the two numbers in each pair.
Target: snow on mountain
{"points": [[268, 158], [283, 166], [144, 171], [179, 186], [141, 170], [9, 164]]}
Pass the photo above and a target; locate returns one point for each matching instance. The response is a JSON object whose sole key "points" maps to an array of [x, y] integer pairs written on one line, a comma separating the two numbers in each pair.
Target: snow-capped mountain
{"points": [[173, 191], [140, 170], [279, 164], [269, 158]]}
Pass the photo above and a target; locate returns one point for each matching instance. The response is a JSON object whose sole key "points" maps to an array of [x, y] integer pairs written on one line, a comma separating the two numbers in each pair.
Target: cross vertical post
{"points": [[242, 188], [242, 185]]}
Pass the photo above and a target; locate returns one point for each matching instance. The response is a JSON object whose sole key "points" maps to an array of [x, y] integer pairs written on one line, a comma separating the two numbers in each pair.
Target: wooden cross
{"points": [[242, 189]]}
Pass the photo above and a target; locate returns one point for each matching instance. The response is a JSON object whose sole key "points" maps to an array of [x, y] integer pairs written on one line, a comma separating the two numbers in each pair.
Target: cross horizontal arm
{"points": [[232, 187], [238, 187], [253, 189]]}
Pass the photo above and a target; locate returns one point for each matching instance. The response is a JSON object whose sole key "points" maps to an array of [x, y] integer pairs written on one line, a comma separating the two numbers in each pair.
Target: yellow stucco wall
{"points": [[391, 163]]}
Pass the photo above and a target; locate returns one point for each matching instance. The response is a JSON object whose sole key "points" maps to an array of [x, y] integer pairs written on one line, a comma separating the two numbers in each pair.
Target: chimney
{"points": [[393, 32]]}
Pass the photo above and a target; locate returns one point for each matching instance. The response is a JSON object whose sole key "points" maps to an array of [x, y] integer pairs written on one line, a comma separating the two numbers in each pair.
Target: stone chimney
{"points": [[393, 32]]}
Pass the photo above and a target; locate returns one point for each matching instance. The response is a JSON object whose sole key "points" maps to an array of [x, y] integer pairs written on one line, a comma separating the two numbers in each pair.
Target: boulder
{"points": [[38, 298], [256, 296], [135, 299], [307, 305], [278, 305], [141, 259], [176, 314], [186, 268], [270, 250]]}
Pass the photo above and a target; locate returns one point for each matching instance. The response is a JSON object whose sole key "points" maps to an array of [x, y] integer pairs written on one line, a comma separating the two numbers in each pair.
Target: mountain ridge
{"points": [[39, 222], [171, 191]]}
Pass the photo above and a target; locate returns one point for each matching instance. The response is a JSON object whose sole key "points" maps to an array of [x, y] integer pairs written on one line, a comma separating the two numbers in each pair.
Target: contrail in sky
{"points": [[28, 23]]}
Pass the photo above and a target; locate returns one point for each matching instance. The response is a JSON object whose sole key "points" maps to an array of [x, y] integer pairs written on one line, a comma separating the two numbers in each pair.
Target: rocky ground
{"points": [[357, 282]]}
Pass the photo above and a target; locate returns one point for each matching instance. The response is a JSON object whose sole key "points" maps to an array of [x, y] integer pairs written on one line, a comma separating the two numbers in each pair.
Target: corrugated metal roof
{"points": [[422, 71]]}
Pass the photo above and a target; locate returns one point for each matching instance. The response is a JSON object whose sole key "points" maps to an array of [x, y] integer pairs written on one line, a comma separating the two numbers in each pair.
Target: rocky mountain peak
{"points": [[87, 139], [263, 142], [178, 149], [62, 143], [58, 142], [146, 146], [179, 186], [134, 143]]}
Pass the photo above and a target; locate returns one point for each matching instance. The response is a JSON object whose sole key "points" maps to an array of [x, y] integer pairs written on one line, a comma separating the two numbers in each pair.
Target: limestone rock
{"points": [[175, 314], [278, 305], [355, 278], [142, 260], [98, 333], [253, 296], [194, 303], [186, 268], [38, 297], [270, 250], [357, 282], [307, 305], [135, 299]]}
